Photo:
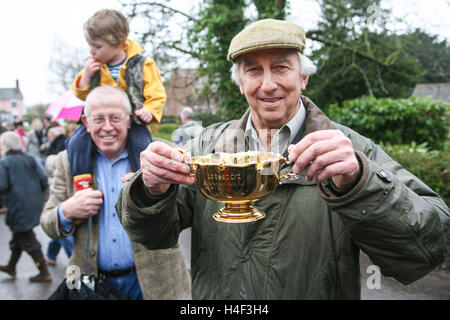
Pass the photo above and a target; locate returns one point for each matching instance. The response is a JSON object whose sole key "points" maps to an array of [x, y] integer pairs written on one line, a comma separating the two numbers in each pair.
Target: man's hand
{"points": [[90, 68], [144, 115], [83, 204], [329, 154], [162, 166]]}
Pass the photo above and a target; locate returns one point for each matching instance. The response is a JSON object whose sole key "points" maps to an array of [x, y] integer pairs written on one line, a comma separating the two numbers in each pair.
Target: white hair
{"points": [[11, 141], [107, 94], [187, 113], [307, 67], [55, 131]]}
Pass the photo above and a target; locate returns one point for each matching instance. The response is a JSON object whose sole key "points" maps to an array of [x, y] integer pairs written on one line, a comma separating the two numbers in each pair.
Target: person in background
{"points": [[23, 183], [71, 127], [37, 142], [22, 132], [346, 194], [128, 266], [4, 126], [46, 121], [117, 61], [54, 245], [57, 137], [189, 128]]}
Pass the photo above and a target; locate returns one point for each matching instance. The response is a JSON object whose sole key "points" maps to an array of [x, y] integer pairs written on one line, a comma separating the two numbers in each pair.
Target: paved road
{"points": [[20, 288], [434, 286]]}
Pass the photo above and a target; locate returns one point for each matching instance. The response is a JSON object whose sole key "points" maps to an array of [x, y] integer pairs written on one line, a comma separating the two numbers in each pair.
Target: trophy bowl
{"points": [[237, 180]]}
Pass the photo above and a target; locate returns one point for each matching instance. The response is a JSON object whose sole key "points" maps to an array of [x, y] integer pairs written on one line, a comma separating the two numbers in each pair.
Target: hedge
{"points": [[395, 121], [432, 167]]}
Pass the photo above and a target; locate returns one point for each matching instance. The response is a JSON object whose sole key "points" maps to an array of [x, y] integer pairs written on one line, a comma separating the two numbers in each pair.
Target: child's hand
{"points": [[90, 68], [144, 115]]}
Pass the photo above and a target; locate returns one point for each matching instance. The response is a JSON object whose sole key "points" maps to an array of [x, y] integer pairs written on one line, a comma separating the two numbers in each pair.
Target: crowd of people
{"points": [[123, 94], [119, 199], [35, 148]]}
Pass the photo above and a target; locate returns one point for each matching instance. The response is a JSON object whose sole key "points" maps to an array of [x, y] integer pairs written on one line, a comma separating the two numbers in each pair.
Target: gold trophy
{"points": [[238, 179]]}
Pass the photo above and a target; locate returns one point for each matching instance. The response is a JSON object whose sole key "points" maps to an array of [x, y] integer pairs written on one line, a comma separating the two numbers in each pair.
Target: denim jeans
{"points": [[55, 245]]}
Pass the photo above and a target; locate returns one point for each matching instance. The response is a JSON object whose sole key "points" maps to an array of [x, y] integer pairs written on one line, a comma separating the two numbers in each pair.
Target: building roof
{"points": [[10, 94], [437, 91]]}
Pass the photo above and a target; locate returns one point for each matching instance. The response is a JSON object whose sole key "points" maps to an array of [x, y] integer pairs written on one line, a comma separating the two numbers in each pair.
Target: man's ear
{"points": [[85, 122], [130, 119], [304, 81], [241, 89]]}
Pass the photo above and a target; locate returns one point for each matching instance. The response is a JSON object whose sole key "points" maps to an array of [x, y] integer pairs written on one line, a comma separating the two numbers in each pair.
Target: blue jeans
{"points": [[55, 245]]}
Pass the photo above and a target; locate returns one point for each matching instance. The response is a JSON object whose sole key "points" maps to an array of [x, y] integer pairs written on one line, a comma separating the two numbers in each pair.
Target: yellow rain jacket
{"points": [[154, 93]]}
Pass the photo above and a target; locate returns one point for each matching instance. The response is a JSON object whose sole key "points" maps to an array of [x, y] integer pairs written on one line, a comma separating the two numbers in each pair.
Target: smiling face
{"points": [[271, 81], [108, 124]]}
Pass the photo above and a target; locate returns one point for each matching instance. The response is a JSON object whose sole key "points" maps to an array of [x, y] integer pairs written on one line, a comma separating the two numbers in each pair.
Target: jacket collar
{"points": [[233, 138], [132, 48]]}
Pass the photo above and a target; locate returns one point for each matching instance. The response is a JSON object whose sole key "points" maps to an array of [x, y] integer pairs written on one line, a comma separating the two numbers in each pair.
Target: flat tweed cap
{"points": [[267, 34]]}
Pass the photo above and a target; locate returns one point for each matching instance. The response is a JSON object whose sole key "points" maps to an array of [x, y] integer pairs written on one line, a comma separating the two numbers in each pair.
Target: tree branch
{"points": [[163, 6], [190, 53], [312, 35]]}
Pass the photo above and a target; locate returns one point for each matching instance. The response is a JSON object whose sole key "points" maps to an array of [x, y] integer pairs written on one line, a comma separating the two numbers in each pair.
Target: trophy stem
{"points": [[238, 213]]}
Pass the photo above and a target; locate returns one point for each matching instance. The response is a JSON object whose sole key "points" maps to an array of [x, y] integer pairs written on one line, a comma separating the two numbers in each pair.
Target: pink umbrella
{"points": [[66, 106]]}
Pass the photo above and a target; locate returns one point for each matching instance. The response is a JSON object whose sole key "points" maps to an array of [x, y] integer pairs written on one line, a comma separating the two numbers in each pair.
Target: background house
{"points": [[183, 89], [11, 104], [437, 91]]}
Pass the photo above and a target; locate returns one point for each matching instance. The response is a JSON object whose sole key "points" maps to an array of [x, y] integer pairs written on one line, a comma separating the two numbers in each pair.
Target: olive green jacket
{"points": [[308, 245], [162, 273]]}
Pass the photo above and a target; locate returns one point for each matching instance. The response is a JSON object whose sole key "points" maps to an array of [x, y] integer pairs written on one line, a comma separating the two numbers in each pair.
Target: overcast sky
{"points": [[29, 27]]}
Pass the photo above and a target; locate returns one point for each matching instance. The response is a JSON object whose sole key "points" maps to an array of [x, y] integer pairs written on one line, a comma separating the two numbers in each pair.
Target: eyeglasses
{"points": [[114, 119]]}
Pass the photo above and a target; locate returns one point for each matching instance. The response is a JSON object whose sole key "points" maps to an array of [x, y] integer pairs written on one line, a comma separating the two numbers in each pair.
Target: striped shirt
{"points": [[114, 70]]}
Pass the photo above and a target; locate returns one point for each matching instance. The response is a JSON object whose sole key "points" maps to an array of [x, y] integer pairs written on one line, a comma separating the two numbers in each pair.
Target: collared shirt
{"points": [[282, 138], [114, 246]]}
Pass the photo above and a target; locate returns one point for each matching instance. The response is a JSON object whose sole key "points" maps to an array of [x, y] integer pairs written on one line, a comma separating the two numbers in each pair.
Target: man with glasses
{"points": [[128, 266]]}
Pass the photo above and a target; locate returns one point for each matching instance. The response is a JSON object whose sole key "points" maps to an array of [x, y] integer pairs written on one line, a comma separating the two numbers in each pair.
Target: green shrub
{"points": [[208, 119], [164, 130], [170, 119], [429, 166], [395, 121]]}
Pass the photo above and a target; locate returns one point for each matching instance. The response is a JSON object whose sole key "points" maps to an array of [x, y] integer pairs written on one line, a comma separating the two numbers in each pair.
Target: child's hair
{"points": [[109, 25]]}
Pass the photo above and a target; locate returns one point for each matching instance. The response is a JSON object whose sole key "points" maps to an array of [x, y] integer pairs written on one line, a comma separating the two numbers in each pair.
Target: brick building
{"points": [[183, 89], [11, 104]]}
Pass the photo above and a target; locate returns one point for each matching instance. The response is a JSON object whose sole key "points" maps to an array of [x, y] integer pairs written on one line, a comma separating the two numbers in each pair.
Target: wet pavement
{"points": [[435, 286], [20, 288]]}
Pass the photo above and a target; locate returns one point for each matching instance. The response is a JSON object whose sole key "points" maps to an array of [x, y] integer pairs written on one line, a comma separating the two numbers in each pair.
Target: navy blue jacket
{"points": [[22, 183]]}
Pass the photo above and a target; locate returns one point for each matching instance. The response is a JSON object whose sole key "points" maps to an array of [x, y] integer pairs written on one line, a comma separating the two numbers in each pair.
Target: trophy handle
{"points": [[191, 167], [287, 175]]}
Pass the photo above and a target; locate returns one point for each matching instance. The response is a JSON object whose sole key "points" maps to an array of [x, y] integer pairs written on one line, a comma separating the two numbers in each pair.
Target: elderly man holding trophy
{"points": [[282, 200]]}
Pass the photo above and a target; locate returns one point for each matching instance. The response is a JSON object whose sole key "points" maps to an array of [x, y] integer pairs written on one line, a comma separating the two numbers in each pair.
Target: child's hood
{"points": [[132, 48]]}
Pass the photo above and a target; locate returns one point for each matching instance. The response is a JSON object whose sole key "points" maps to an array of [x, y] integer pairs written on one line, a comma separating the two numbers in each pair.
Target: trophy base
{"points": [[238, 213]]}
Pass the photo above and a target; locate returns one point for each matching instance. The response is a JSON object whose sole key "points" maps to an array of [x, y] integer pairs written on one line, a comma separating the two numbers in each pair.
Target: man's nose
{"points": [[107, 125], [269, 82]]}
